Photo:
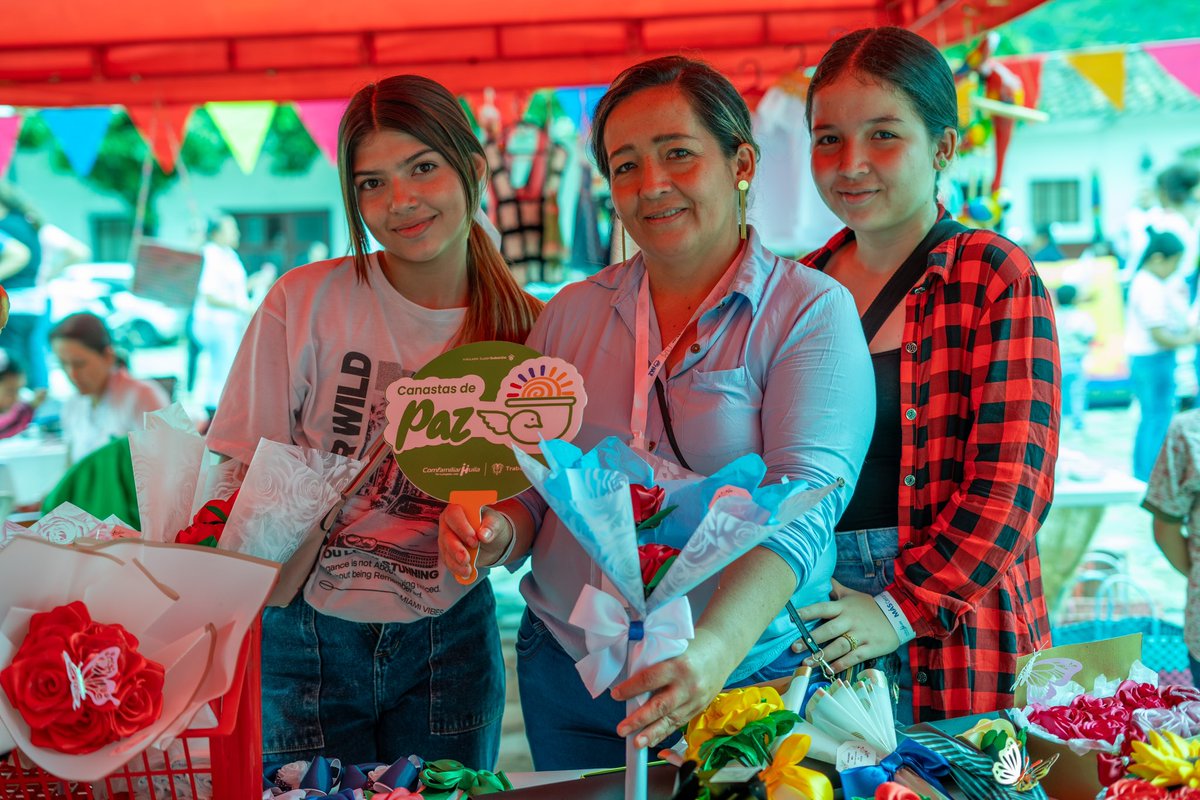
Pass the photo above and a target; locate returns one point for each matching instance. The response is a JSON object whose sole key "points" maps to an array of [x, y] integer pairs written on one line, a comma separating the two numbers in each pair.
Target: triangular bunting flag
{"points": [[79, 132], [1106, 70], [163, 128], [244, 126], [321, 118], [1029, 70], [10, 129], [1182, 61]]}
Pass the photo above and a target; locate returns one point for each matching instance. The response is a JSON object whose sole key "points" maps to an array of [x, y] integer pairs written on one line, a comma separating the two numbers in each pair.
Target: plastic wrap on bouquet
{"points": [[281, 495], [716, 520], [188, 607], [68, 523], [286, 492]]}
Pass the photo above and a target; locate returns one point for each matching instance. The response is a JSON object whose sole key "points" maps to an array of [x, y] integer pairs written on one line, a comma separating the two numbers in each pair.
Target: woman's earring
{"points": [[942, 162], [743, 187]]}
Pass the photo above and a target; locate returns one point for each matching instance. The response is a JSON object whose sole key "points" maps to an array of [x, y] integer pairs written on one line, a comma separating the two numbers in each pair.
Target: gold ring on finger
{"points": [[850, 640]]}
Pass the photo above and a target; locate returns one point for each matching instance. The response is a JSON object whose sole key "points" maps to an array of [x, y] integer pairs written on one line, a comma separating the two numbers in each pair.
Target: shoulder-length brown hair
{"points": [[412, 104]]}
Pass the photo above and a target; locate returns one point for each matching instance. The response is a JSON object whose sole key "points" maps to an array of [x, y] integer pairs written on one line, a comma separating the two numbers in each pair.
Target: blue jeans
{"points": [[1154, 386], [866, 562], [366, 692], [565, 727]]}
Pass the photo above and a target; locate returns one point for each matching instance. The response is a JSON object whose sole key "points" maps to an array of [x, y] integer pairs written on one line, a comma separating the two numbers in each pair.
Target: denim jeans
{"points": [[1154, 386], [565, 727], [866, 563], [365, 692]]}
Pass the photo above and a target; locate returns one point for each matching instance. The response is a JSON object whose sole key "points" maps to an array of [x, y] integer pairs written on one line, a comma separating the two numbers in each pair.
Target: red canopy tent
{"points": [[147, 52]]}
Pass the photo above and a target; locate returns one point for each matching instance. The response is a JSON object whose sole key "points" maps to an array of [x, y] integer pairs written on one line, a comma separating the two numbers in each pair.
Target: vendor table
{"points": [[1081, 495], [30, 467]]}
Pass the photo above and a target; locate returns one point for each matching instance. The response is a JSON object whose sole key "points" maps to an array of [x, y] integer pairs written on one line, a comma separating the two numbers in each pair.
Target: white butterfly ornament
{"points": [[1013, 768], [95, 680], [1042, 675]]}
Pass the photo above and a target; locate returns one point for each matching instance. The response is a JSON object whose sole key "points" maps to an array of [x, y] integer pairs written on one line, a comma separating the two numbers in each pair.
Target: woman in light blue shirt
{"points": [[755, 354]]}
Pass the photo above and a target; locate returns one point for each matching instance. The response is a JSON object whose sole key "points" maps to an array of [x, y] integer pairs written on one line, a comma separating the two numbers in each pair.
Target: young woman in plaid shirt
{"points": [[936, 555]]}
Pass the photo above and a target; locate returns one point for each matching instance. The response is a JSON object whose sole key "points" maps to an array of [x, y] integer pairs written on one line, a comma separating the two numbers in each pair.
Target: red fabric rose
{"points": [[140, 696], [652, 557], [82, 731], [894, 791], [209, 521], [1174, 695], [1129, 789], [1132, 694], [121, 691], [646, 501], [1185, 793]]}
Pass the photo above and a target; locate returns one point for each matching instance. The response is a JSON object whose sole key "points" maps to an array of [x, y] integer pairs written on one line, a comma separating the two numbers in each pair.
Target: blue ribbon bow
{"points": [[863, 781]]}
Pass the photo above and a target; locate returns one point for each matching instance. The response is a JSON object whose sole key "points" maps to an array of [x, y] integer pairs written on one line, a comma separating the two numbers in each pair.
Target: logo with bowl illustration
{"points": [[539, 403]]}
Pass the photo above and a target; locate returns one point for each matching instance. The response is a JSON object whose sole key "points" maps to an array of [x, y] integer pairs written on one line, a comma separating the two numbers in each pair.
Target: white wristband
{"points": [[512, 541], [891, 609]]}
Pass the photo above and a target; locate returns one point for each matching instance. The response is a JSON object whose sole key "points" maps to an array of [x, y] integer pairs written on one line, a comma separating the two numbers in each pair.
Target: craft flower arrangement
{"points": [[714, 520], [411, 777], [119, 652], [1112, 719]]}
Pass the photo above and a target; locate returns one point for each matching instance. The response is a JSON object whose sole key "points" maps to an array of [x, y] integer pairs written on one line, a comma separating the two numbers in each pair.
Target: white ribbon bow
{"points": [[606, 625]]}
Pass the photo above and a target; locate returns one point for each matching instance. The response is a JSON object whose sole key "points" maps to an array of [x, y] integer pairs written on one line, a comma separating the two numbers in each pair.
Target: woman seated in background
{"points": [[111, 402]]}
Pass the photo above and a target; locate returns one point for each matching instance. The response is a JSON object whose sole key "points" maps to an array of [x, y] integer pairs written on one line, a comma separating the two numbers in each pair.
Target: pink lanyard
{"points": [[643, 381]]}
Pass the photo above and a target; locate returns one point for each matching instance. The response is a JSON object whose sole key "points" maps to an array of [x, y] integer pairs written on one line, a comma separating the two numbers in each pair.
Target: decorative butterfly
{"points": [[1044, 673], [95, 680], [1013, 768]]}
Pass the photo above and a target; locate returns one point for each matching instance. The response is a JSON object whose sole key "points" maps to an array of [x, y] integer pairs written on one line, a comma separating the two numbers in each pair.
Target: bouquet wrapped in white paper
{"points": [[272, 508], [121, 649], [715, 520]]}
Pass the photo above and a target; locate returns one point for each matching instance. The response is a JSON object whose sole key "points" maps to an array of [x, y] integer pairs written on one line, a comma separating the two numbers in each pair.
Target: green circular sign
{"points": [[453, 424]]}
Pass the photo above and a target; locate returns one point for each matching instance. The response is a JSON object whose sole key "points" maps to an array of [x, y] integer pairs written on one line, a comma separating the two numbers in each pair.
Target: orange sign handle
{"points": [[473, 502]]}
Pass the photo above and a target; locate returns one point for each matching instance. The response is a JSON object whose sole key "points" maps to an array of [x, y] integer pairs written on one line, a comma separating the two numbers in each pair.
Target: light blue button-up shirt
{"points": [[779, 368]]}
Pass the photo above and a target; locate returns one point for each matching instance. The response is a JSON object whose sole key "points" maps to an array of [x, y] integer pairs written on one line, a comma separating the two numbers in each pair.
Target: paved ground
{"points": [[1124, 531]]}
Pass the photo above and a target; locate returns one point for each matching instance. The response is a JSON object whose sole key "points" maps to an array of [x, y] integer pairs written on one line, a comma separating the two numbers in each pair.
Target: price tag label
{"points": [[855, 754]]}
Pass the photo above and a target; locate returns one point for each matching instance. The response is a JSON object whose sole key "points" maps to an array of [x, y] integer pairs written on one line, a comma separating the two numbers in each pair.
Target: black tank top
{"points": [[876, 499]]}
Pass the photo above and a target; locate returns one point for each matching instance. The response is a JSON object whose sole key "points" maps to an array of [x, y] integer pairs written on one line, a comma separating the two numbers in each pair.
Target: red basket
{"points": [[233, 770]]}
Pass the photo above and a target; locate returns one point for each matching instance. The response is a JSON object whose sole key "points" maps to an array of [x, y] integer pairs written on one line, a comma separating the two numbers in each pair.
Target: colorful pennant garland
{"points": [[163, 128], [244, 127], [10, 130], [80, 132], [321, 118]]}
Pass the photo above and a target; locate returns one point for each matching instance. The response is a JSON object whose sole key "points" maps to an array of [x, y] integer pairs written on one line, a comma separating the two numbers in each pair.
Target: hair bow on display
{"points": [[613, 639], [862, 781], [786, 779], [442, 779]]}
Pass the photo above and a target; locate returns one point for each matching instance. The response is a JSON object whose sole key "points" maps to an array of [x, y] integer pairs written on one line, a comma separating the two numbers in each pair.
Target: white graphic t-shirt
{"points": [[312, 370]]}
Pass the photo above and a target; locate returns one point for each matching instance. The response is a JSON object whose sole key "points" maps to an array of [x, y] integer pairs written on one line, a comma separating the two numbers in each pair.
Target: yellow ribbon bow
{"points": [[786, 779]]}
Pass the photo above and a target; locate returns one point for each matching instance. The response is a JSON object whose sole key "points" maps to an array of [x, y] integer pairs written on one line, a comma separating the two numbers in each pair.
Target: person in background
{"points": [[937, 560], [222, 308], [1076, 332], [350, 670], [1156, 325], [110, 402], [29, 316], [1173, 497], [1045, 247], [758, 355], [15, 413]]}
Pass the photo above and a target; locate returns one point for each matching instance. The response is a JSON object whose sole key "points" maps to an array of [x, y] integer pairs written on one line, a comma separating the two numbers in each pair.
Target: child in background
{"points": [[1173, 497], [15, 413], [1076, 331]]}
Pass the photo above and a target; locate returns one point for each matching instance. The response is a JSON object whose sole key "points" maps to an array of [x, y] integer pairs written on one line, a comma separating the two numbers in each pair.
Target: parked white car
{"points": [[103, 289]]}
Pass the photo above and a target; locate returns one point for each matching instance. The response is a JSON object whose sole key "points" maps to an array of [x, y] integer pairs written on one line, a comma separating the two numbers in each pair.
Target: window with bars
{"points": [[1055, 201]]}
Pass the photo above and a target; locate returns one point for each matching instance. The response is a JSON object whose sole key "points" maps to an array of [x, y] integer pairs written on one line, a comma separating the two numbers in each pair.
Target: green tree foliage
{"points": [[1075, 24]]}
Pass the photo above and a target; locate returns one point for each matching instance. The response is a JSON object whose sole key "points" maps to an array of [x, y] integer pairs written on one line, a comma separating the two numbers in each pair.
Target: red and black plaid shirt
{"points": [[980, 370]]}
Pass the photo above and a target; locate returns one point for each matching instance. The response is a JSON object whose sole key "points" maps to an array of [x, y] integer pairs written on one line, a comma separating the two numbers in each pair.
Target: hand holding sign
{"points": [[454, 423]]}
